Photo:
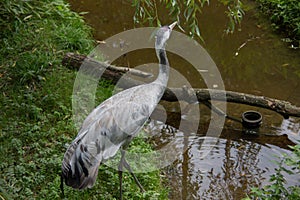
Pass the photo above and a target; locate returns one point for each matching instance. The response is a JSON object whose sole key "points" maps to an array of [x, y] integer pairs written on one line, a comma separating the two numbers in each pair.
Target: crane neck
{"points": [[164, 67]]}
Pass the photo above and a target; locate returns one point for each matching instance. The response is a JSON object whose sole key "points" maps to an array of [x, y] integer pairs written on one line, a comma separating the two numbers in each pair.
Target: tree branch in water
{"points": [[113, 74]]}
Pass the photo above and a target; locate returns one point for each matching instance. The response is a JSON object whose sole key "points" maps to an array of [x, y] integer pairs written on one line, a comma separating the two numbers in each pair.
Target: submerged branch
{"points": [[113, 74], [286, 109]]}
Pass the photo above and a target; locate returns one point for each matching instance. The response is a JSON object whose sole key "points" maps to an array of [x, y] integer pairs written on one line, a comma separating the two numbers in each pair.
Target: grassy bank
{"points": [[284, 15], [35, 114]]}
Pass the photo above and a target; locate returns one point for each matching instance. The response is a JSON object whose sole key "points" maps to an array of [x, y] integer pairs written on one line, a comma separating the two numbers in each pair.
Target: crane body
{"points": [[113, 124]]}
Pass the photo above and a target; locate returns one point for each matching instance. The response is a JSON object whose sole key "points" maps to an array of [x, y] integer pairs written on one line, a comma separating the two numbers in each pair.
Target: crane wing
{"points": [[130, 108]]}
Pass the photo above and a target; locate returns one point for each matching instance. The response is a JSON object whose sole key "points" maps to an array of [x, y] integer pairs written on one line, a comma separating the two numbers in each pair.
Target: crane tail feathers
{"points": [[79, 180], [79, 167]]}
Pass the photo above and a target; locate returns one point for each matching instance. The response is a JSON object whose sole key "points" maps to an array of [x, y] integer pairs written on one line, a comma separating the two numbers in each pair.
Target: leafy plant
{"points": [[284, 15], [277, 189], [184, 12], [235, 14]]}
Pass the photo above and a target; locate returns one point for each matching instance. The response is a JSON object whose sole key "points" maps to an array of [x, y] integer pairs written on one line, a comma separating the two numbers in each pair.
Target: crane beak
{"points": [[171, 26]]}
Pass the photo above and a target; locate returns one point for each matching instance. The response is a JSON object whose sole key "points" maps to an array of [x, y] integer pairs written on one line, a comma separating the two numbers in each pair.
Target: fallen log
{"points": [[74, 61], [113, 74]]}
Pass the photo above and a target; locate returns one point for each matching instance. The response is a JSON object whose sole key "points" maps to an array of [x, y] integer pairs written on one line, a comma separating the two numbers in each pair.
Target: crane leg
{"points": [[120, 171], [127, 166]]}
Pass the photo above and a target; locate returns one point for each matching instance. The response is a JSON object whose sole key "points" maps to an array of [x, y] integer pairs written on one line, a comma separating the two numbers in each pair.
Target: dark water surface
{"points": [[253, 60]]}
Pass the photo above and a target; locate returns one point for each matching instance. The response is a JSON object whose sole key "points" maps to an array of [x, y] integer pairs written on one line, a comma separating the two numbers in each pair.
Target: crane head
{"points": [[163, 34]]}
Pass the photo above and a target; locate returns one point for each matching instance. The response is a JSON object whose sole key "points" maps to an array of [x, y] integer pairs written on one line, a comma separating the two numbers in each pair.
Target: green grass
{"points": [[36, 113]]}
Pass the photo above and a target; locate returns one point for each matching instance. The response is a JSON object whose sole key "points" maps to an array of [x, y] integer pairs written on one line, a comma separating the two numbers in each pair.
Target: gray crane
{"points": [[113, 124]]}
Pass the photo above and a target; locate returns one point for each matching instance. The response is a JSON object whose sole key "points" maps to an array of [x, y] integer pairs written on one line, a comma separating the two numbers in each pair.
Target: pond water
{"points": [[253, 60]]}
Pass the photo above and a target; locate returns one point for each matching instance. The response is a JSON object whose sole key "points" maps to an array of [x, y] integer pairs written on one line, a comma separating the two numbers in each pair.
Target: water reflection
{"points": [[228, 172], [231, 168]]}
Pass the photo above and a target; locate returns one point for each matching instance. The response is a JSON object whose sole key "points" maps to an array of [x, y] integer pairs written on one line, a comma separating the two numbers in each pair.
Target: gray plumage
{"points": [[114, 123]]}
